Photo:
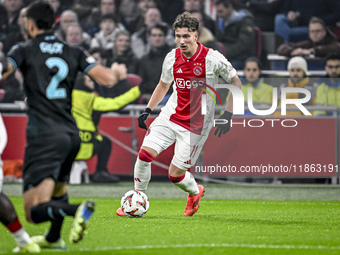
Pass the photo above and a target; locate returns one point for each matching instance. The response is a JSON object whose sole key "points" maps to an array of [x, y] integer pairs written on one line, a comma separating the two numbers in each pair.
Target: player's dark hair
{"points": [[186, 20], [42, 14]]}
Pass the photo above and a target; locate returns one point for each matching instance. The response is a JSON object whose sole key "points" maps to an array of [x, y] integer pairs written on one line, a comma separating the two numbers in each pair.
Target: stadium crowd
{"points": [[138, 33]]}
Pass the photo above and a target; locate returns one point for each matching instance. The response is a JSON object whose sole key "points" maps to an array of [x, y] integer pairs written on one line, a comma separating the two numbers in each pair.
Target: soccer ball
{"points": [[135, 203]]}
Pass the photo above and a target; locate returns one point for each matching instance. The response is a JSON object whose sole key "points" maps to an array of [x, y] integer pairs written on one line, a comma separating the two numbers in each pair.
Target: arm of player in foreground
{"points": [[108, 77], [9, 69], [158, 94]]}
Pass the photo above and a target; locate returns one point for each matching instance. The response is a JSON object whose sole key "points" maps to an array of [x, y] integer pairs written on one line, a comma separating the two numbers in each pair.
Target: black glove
{"points": [[222, 128], [143, 117]]}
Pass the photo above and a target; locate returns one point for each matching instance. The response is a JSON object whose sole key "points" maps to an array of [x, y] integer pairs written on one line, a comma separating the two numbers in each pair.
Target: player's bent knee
{"points": [[145, 156]]}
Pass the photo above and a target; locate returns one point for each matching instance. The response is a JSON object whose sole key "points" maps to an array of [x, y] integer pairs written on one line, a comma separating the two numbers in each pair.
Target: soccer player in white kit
{"points": [[192, 67]]}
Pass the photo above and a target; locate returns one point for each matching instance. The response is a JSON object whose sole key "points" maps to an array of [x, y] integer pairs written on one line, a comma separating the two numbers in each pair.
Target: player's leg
{"points": [[52, 239], [48, 160], [187, 150], [142, 169], [158, 137], [86, 209], [9, 218], [39, 207]]}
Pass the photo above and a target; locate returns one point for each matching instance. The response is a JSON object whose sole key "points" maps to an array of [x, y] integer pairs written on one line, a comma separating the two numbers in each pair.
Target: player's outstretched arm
{"points": [[156, 97], [158, 94], [6, 69], [108, 77]]}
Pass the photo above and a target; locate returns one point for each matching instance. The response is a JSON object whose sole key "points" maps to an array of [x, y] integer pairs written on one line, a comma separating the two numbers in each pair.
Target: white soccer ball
{"points": [[135, 203]]}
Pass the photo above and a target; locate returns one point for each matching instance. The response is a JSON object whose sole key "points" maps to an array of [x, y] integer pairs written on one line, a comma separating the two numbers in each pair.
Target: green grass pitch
{"points": [[221, 226]]}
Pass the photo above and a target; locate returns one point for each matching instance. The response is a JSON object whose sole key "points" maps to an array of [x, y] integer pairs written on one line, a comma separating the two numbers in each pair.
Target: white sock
{"points": [[142, 174], [188, 184], [22, 237]]}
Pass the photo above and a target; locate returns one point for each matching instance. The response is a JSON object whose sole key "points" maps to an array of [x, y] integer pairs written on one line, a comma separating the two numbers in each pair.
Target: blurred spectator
{"points": [[321, 42], [92, 20], [235, 29], [99, 55], [170, 10], [108, 30], [139, 40], [13, 8], [122, 52], [3, 23], [292, 24], [197, 5], [136, 20], [298, 68], [264, 12], [74, 36], [57, 8], [262, 92], [120, 88], [205, 36], [328, 92], [86, 109], [67, 18], [150, 67], [18, 36]]}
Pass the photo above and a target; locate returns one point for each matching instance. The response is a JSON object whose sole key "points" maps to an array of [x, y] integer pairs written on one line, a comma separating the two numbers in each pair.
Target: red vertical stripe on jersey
{"points": [[188, 74]]}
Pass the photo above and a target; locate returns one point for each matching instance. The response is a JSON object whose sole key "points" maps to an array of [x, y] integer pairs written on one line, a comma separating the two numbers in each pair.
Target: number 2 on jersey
{"points": [[52, 90]]}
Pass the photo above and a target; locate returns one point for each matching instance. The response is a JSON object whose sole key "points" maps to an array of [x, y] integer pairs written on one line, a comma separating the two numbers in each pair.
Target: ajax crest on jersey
{"points": [[135, 203]]}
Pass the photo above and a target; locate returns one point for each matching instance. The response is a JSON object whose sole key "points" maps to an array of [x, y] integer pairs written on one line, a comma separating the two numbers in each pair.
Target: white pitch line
{"points": [[213, 245]]}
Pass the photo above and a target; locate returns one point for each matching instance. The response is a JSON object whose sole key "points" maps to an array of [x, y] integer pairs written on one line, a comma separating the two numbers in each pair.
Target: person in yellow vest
{"points": [[87, 106], [328, 92], [297, 68], [262, 92]]}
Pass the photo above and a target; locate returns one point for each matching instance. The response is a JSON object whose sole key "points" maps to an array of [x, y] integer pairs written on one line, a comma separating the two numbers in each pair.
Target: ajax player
{"points": [[190, 66]]}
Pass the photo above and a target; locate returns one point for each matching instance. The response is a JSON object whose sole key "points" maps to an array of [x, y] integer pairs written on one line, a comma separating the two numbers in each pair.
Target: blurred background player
{"points": [[8, 215], [52, 135], [180, 120]]}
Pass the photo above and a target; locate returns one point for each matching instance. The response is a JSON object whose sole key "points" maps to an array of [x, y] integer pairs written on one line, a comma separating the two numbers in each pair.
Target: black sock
{"points": [[51, 211], [53, 234]]}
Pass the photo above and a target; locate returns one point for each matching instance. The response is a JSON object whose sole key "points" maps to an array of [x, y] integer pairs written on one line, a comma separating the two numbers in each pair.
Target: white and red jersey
{"points": [[189, 76]]}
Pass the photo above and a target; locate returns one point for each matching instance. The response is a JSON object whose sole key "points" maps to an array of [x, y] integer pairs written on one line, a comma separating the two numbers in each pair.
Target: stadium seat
{"points": [[79, 168], [134, 79]]}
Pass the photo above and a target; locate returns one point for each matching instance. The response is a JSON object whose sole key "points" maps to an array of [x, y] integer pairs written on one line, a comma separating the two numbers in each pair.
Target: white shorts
{"points": [[163, 133], [1, 175]]}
